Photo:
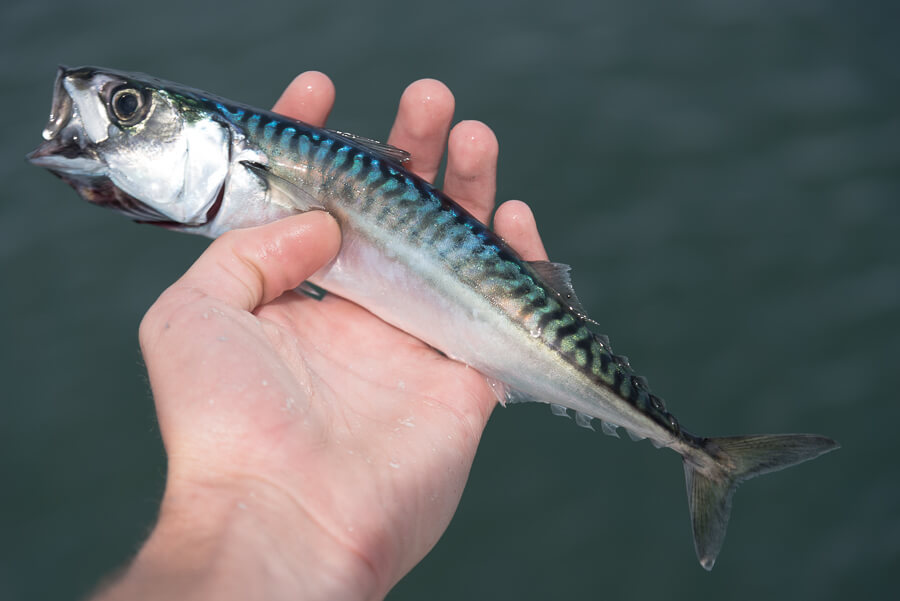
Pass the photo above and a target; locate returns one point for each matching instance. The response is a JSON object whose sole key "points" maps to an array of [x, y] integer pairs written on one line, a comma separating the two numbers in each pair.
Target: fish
{"points": [[170, 155]]}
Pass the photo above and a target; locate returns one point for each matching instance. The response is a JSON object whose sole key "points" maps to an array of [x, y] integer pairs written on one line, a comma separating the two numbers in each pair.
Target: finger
{"points": [[423, 120], [514, 222], [471, 177], [308, 98]]}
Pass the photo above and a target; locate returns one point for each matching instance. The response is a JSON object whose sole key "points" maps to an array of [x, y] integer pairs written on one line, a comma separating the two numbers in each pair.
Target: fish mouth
{"points": [[65, 155], [63, 151]]}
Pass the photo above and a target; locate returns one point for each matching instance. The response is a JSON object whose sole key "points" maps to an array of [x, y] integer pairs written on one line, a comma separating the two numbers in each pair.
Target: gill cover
{"points": [[124, 142]]}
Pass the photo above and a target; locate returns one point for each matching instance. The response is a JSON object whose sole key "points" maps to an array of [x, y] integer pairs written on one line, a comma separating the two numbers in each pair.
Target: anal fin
{"points": [[505, 393]]}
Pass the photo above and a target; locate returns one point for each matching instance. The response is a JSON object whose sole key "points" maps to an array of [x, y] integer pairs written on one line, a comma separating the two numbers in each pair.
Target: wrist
{"points": [[241, 541]]}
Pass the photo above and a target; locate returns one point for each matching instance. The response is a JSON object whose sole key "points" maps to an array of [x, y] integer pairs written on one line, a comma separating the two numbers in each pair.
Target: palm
{"points": [[392, 424]]}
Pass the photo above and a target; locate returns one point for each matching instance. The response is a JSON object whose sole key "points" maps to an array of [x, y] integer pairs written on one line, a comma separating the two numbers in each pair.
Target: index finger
{"points": [[308, 98]]}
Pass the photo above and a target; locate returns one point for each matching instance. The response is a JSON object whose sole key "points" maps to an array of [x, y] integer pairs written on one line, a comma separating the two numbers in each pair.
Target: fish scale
{"points": [[170, 155], [469, 248], [473, 249]]}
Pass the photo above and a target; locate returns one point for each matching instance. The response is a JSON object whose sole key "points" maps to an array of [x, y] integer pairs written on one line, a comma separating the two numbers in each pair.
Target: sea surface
{"points": [[722, 175]]}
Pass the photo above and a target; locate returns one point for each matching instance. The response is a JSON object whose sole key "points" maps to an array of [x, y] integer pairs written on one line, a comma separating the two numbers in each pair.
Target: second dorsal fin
{"points": [[557, 276]]}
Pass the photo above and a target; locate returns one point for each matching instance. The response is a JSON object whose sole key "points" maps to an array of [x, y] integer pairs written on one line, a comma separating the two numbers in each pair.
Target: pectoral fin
{"points": [[282, 192]]}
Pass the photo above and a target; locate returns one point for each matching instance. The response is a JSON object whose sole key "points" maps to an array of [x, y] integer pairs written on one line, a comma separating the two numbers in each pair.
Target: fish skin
{"points": [[409, 252]]}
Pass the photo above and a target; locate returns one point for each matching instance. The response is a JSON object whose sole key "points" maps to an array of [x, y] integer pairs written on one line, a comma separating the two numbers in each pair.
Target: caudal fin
{"points": [[738, 458]]}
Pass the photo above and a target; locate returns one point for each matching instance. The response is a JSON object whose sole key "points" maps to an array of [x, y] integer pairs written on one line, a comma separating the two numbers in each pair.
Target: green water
{"points": [[724, 177]]}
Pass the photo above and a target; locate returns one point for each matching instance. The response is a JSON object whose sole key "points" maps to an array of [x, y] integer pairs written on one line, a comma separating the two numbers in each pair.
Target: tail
{"points": [[738, 458]]}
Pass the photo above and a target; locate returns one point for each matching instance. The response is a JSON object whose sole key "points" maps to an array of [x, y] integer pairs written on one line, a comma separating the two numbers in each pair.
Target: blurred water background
{"points": [[721, 174]]}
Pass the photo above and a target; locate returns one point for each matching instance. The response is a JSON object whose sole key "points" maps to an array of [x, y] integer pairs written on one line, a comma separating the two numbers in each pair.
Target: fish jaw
{"points": [[87, 174], [63, 152]]}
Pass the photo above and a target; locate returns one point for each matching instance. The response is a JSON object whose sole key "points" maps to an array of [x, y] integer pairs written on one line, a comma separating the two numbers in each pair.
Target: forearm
{"points": [[224, 544]]}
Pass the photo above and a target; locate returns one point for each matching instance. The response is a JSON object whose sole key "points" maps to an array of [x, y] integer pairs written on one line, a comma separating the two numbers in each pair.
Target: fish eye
{"points": [[127, 105]]}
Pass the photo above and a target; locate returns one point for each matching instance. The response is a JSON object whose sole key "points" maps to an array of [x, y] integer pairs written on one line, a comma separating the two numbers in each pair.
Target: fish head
{"points": [[131, 143]]}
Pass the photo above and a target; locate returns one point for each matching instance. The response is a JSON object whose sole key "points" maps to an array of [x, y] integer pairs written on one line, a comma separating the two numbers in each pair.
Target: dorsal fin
{"points": [[382, 150], [557, 276]]}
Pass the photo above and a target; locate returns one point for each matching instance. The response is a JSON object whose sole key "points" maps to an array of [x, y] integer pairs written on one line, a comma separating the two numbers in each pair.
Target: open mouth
{"points": [[61, 151]]}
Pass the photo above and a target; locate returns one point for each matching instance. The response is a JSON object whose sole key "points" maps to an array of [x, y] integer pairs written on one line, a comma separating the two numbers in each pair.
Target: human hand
{"points": [[314, 450]]}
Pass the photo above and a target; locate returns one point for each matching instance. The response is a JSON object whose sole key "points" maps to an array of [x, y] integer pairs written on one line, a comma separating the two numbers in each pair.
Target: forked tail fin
{"points": [[738, 458]]}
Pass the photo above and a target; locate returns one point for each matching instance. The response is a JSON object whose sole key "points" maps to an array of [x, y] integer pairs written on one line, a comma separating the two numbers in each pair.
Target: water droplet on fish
{"points": [[394, 465]]}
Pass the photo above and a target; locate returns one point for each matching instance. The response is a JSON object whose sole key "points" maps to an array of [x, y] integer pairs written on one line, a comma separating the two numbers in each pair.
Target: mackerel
{"points": [[173, 156]]}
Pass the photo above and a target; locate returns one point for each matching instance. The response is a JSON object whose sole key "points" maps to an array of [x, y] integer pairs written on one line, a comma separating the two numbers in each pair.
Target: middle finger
{"points": [[423, 120]]}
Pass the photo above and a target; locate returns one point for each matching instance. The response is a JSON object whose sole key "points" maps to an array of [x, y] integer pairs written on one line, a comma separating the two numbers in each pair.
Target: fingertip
{"points": [[288, 251], [517, 210], [423, 103], [514, 222], [309, 97], [473, 149]]}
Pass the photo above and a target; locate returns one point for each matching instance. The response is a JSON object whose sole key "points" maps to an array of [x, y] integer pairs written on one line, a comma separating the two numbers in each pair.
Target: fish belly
{"points": [[407, 288]]}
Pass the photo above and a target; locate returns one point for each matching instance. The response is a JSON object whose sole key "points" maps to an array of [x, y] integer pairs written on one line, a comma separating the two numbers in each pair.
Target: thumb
{"points": [[249, 267]]}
